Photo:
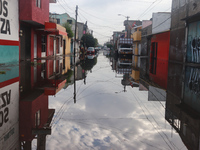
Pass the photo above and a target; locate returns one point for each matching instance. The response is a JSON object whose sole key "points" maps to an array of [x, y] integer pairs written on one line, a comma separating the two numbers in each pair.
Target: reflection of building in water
{"points": [[9, 110], [183, 101], [135, 74], [192, 88], [123, 66], [128, 81], [41, 74], [38, 80], [184, 120], [155, 92], [35, 119]]}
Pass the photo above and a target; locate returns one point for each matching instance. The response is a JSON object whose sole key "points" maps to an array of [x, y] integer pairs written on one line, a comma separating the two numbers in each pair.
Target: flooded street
{"points": [[102, 75], [109, 115]]}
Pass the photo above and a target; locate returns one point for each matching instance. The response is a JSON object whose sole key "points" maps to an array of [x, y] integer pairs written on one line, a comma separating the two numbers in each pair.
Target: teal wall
{"points": [[64, 17], [9, 62], [11, 71], [9, 54]]}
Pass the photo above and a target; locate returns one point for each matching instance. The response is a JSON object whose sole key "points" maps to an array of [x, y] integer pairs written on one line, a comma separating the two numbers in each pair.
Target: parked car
{"points": [[90, 50]]}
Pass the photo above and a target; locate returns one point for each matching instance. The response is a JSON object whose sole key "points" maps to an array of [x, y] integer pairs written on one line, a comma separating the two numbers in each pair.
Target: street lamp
{"points": [[127, 23]]}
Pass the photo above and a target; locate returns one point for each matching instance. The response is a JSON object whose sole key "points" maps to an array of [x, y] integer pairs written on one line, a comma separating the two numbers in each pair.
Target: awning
{"points": [[54, 28], [58, 85]]}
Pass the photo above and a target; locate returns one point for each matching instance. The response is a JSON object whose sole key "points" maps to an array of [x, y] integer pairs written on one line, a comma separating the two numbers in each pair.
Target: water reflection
{"points": [[120, 105], [105, 117], [9, 105]]}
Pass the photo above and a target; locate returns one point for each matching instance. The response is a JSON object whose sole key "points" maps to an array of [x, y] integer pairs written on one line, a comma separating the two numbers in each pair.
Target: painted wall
{"points": [[193, 43], [63, 18], [9, 116], [156, 94], [9, 82], [161, 75], [161, 22], [192, 89], [29, 11], [27, 115], [9, 37]]}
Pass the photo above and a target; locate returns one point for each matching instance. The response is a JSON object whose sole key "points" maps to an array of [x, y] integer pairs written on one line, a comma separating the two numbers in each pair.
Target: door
{"points": [[51, 50], [35, 46]]}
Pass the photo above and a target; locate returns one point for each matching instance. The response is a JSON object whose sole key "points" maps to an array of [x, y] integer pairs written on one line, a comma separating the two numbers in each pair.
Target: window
{"points": [[43, 70], [43, 40], [37, 118], [58, 21], [57, 46], [38, 3], [153, 58], [69, 21]]}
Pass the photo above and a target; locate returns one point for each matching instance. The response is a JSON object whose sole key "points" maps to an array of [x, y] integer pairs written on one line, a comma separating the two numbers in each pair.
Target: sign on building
{"points": [[9, 26]]}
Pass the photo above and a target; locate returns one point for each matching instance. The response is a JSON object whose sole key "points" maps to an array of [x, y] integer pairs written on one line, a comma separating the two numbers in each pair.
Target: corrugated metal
{"points": [[125, 41]]}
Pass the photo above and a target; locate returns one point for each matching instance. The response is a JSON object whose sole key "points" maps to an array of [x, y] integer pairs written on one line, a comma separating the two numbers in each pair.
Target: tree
{"points": [[68, 28], [89, 40], [109, 46], [96, 42]]}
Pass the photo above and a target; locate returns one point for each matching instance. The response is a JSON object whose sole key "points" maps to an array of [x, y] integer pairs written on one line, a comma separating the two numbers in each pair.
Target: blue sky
{"points": [[102, 16]]}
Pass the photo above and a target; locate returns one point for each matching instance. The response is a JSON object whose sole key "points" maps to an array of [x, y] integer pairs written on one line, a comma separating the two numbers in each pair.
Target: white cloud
{"points": [[102, 16]]}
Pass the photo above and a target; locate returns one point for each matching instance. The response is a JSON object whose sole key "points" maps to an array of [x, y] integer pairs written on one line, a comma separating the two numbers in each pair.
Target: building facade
{"points": [[9, 75]]}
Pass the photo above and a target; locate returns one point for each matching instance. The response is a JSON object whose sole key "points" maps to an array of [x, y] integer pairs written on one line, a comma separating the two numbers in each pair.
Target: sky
{"points": [[102, 16]]}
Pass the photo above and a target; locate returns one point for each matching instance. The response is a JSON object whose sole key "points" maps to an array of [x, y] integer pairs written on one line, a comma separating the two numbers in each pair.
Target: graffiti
{"points": [[194, 81], [195, 50]]}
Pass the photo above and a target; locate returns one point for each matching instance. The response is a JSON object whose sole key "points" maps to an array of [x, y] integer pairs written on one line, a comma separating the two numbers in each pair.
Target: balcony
{"points": [[136, 36]]}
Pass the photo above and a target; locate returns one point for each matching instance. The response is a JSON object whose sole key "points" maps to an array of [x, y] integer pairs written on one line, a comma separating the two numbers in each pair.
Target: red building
{"points": [[43, 49], [159, 52], [43, 44], [159, 58], [35, 119]]}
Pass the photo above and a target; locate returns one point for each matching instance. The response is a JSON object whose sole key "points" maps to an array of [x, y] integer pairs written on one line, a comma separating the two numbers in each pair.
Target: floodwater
{"points": [[110, 112], [115, 104]]}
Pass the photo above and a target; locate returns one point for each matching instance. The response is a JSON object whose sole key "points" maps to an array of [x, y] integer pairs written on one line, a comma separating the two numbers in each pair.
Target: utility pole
{"points": [[127, 27], [75, 55]]}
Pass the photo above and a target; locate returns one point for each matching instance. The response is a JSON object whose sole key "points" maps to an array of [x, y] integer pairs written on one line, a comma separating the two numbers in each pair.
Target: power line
{"points": [[65, 8], [67, 5], [147, 9], [162, 22], [94, 23]]}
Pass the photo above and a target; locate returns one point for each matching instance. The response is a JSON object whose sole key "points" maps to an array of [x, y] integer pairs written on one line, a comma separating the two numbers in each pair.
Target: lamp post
{"points": [[127, 17]]}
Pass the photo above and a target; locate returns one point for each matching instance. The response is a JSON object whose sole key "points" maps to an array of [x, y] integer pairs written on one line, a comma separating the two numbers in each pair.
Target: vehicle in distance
{"points": [[90, 50]]}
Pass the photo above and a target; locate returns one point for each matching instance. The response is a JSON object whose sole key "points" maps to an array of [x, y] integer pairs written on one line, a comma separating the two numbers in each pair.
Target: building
{"points": [[35, 119], [136, 36], [80, 30], [182, 106], [9, 75], [129, 24], [44, 45], [62, 18], [145, 48], [159, 52], [183, 53]]}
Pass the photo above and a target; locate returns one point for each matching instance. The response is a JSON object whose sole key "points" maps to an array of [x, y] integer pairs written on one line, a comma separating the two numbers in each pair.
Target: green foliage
{"points": [[34, 63], [88, 64], [69, 74], [110, 46], [96, 42], [89, 40], [68, 28]]}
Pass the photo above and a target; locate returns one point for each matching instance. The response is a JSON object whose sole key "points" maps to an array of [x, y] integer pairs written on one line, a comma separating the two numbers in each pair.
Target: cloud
{"points": [[106, 118], [102, 16]]}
